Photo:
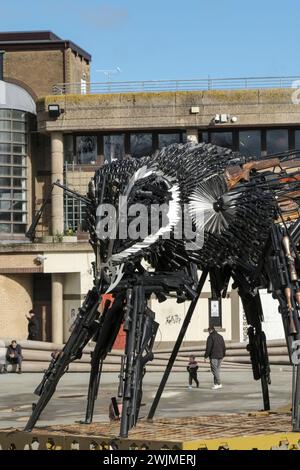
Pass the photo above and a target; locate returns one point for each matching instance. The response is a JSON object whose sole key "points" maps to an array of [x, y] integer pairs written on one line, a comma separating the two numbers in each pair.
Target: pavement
{"points": [[240, 393]]}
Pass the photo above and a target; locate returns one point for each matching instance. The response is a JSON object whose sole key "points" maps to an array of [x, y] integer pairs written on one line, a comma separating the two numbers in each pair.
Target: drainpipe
{"points": [[1, 64]]}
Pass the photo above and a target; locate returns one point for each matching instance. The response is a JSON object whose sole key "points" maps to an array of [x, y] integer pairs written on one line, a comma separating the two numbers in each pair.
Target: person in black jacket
{"points": [[192, 368], [33, 326], [215, 351], [14, 356]]}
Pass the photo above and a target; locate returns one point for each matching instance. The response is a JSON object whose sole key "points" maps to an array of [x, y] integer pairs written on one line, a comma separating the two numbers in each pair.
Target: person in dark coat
{"points": [[192, 368], [33, 326], [14, 356], [215, 351]]}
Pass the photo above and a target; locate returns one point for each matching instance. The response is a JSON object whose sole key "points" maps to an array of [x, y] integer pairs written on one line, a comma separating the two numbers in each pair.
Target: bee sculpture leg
{"points": [[110, 323], [85, 327], [177, 345], [140, 329], [257, 346]]}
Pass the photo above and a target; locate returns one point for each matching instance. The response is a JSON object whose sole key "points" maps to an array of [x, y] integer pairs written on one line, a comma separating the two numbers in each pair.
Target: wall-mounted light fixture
{"points": [[54, 110], [195, 109]]}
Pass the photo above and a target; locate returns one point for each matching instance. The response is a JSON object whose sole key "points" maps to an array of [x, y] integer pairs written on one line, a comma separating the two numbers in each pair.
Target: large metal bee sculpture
{"points": [[244, 224]]}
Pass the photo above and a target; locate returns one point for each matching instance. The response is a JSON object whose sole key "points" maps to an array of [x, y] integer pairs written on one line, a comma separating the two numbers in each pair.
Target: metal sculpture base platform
{"points": [[261, 430]]}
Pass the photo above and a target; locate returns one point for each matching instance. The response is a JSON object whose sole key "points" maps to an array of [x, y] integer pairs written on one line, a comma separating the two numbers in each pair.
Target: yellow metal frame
{"points": [[19, 440]]}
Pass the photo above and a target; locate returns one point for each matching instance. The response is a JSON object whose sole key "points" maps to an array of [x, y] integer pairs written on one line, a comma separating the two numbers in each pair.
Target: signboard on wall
{"points": [[215, 312]]}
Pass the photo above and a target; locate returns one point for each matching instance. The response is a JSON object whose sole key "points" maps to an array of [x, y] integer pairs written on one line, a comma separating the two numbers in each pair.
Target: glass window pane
{"points": [[19, 183], [297, 140], [19, 195], [5, 114], [140, 145], [5, 125], [5, 148], [19, 149], [19, 171], [20, 115], [19, 160], [222, 139], [5, 205], [6, 182], [5, 228], [250, 143], [5, 194], [18, 137], [167, 139], [277, 140], [19, 217], [69, 149], [114, 147], [5, 136], [5, 216], [5, 170], [18, 126], [5, 159], [19, 228], [86, 149], [204, 137], [19, 206]]}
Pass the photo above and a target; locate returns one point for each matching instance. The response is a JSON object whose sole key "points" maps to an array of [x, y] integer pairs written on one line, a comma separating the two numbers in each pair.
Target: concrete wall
{"points": [[71, 300], [16, 295], [169, 110], [272, 324], [66, 262], [170, 316]]}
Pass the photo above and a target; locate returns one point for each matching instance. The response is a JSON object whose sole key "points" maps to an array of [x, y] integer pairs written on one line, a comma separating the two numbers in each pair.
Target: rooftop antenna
{"points": [[109, 73]]}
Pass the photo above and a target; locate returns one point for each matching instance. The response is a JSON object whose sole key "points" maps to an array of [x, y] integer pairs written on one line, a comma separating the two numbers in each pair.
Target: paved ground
{"points": [[239, 393]]}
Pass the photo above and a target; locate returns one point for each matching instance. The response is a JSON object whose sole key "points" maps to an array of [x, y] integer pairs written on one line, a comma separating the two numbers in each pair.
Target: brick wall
{"points": [[37, 71], [16, 300], [76, 68]]}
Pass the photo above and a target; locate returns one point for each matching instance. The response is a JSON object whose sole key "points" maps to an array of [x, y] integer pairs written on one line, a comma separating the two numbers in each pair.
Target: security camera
{"points": [[40, 259]]}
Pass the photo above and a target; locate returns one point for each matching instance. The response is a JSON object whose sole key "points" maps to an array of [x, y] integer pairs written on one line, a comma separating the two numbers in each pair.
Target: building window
{"points": [[77, 179], [114, 147], [277, 140], [222, 139], [250, 143], [86, 150], [141, 145], [13, 171], [297, 140], [167, 139]]}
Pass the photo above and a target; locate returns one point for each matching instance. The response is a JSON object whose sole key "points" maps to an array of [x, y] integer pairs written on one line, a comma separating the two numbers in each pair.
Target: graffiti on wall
{"points": [[173, 319]]}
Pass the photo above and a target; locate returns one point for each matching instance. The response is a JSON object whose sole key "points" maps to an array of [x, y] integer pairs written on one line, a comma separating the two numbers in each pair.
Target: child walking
{"points": [[192, 370]]}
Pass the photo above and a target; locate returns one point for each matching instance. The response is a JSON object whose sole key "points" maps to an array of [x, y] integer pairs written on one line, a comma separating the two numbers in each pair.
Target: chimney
{"points": [[1, 64]]}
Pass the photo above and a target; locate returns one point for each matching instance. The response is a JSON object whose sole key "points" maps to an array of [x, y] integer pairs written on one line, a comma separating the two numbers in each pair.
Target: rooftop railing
{"points": [[176, 85]]}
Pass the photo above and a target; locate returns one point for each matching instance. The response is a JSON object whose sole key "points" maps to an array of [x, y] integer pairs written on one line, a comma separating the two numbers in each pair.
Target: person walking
{"points": [[192, 368], [215, 351], [33, 326]]}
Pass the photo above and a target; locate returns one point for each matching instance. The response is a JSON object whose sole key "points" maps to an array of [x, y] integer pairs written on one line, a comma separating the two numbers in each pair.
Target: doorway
{"points": [[42, 304]]}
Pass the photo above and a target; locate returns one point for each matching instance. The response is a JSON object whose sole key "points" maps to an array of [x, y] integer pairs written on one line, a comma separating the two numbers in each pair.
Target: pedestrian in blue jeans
{"points": [[215, 351]]}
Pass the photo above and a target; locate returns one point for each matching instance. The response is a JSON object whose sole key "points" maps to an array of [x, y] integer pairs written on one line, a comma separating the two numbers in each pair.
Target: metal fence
{"points": [[177, 85]]}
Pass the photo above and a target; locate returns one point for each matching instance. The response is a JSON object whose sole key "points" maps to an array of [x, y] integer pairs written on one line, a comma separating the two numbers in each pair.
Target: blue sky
{"points": [[170, 39]]}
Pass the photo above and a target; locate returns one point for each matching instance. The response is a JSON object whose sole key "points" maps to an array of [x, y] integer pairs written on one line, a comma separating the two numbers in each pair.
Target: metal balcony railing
{"points": [[177, 85]]}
